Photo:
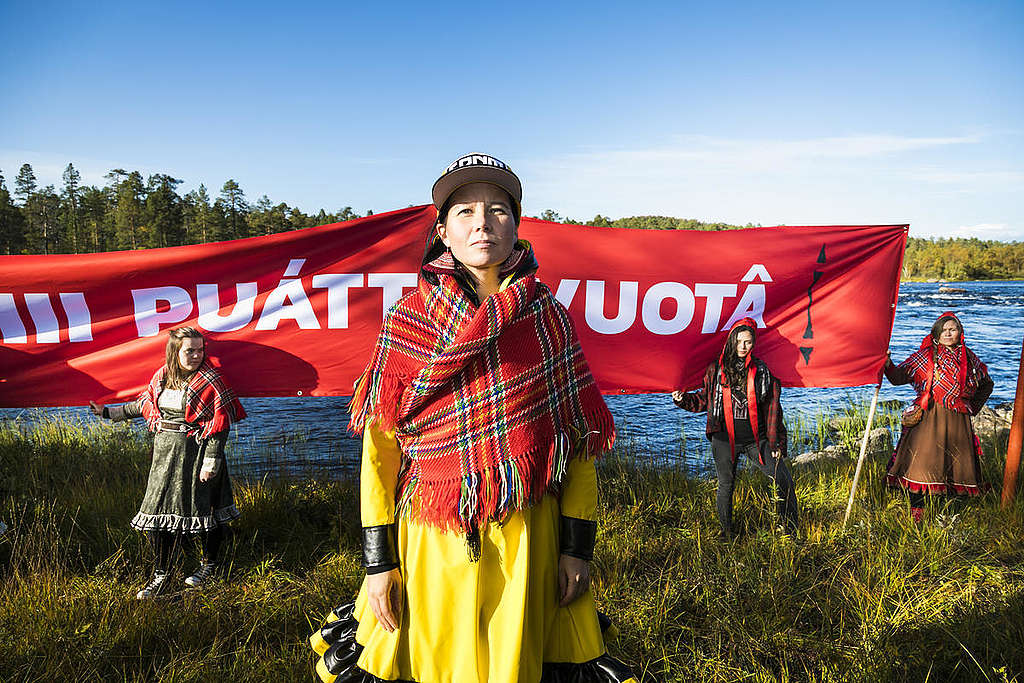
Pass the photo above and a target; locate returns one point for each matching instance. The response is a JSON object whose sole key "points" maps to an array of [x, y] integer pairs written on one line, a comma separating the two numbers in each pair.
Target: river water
{"points": [[307, 437]]}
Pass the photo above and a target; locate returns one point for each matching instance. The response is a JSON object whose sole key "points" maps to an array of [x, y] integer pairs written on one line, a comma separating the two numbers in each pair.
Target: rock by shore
{"points": [[994, 422], [879, 444], [990, 423]]}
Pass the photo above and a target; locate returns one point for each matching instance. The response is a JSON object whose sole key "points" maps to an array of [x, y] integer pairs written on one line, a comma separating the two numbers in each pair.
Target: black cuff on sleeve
{"points": [[380, 552], [578, 537]]}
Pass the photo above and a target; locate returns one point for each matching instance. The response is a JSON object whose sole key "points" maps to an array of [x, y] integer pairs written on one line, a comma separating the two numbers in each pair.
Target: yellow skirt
{"points": [[494, 620]]}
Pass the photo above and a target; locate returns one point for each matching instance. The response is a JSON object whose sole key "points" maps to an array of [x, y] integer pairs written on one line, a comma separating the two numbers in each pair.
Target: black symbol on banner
{"points": [[809, 331]]}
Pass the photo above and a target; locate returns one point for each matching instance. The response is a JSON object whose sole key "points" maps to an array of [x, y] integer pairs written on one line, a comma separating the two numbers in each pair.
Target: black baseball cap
{"points": [[477, 168]]}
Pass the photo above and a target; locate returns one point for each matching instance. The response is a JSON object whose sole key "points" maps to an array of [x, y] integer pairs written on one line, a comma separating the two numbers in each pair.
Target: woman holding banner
{"points": [[189, 408], [938, 452], [744, 415], [480, 422]]}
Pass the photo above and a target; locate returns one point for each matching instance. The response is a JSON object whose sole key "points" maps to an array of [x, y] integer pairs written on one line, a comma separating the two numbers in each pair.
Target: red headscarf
{"points": [[750, 370]]}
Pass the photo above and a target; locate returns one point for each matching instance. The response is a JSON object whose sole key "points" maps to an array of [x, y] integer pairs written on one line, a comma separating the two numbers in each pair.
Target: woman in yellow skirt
{"points": [[480, 422]]}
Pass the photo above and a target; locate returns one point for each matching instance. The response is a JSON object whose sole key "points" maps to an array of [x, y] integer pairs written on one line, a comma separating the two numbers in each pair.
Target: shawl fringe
{"points": [[490, 495], [379, 410], [489, 402]]}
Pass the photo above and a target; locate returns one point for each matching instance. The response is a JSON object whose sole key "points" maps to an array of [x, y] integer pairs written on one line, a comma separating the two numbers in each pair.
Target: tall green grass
{"points": [[883, 600]]}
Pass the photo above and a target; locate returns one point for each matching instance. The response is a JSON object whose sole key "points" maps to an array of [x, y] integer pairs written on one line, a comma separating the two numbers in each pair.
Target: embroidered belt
{"points": [[172, 426]]}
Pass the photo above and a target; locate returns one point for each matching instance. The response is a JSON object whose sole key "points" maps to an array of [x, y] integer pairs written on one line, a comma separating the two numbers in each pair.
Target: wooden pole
{"points": [[863, 452], [1016, 437]]}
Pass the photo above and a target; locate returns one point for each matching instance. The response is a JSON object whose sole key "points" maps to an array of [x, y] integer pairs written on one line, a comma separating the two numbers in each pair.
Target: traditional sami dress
{"points": [[480, 584], [190, 427], [941, 454]]}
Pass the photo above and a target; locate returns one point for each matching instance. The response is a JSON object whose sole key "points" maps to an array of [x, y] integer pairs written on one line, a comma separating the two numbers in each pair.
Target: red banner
{"points": [[296, 314]]}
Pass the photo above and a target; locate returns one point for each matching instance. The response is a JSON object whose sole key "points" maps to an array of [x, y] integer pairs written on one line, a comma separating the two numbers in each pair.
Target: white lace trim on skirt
{"points": [[188, 525]]}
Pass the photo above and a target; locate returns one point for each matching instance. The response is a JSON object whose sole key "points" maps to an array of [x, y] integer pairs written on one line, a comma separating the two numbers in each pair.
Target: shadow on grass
{"points": [[973, 643]]}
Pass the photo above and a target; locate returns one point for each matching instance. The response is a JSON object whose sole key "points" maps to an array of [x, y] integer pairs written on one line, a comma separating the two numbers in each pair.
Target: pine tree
{"points": [[24, 183], [12, 223], [347, 214], [71, 205], [163, 211], [268, 218], [234, 208], [129, 192], [261, 217], [42, 216], [198, 216], [297, 219], [96, 212]]}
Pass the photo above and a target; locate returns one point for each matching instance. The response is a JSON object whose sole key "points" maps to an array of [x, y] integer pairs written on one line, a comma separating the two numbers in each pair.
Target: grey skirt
{"points": [[175, 499]]}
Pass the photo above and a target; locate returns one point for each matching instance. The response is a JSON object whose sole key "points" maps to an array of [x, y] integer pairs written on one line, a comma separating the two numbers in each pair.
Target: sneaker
{"points": [[156, 586], [204, 575], [786, 530]]}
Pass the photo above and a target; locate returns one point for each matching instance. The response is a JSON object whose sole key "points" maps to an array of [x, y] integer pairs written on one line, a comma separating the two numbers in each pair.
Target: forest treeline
{"points": [[133, 212]]}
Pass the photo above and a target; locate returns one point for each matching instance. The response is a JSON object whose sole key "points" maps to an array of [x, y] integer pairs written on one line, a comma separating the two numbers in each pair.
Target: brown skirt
{"points": [[941, 455]]}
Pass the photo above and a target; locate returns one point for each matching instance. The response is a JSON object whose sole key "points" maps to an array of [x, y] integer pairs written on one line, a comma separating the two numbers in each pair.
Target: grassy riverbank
{"points": [[881, 601]]}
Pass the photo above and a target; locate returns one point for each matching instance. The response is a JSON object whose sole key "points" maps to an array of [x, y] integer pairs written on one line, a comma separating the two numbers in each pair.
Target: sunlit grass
{"points": [[883, 600]]}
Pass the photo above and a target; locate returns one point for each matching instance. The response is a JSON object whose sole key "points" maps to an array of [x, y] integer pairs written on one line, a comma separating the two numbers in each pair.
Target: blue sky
{"points": [[771, 113]]}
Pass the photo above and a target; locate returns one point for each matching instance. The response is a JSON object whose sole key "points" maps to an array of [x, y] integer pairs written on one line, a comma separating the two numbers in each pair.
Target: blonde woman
{"points": [[190, 409]]}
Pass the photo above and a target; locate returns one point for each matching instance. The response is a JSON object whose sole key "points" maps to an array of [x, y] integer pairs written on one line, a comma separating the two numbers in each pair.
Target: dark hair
{"points": [[729, 358], [937, 327], [176, 376]]}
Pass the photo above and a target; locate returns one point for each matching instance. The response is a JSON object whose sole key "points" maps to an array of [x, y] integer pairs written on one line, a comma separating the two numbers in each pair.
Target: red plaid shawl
{"points": [[210, 404], [489, 403], [949, 375]]}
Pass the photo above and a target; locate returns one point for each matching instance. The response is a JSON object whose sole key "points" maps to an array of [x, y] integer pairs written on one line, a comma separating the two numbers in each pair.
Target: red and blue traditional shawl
{"points": [[210, 404], [489, 402]]}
